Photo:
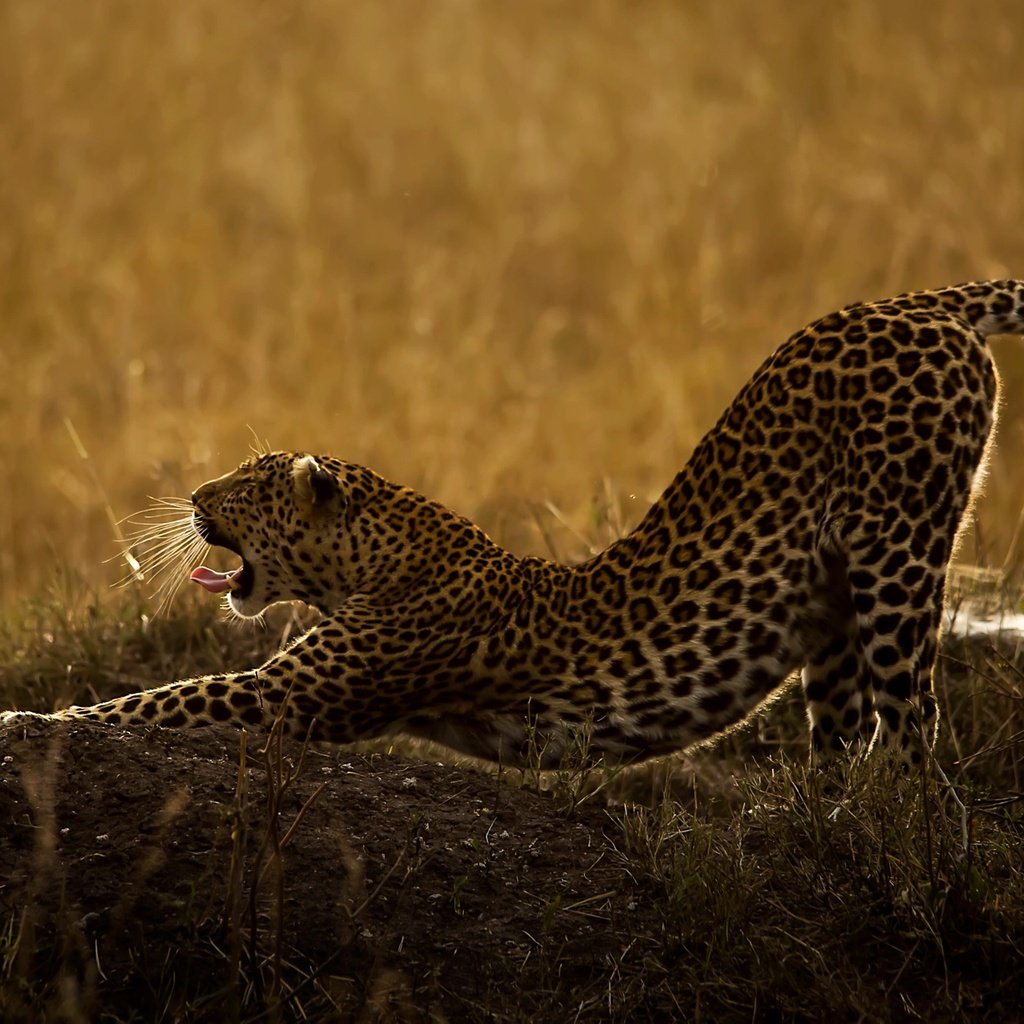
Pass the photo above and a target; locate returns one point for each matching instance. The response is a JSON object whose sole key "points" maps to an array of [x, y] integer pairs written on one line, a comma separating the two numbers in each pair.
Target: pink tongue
{"points": [[209, 579]]}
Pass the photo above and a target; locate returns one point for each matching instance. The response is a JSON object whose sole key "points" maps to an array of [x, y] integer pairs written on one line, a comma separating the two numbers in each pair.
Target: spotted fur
{"points": [[811, 529]]}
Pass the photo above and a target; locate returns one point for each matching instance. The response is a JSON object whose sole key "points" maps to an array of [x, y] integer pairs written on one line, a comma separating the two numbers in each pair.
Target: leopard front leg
{"points": [[232, 697], [317, 687]]}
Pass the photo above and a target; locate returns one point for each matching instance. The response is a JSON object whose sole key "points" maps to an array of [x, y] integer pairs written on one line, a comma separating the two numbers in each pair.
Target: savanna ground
{"points": [[518, 256]]}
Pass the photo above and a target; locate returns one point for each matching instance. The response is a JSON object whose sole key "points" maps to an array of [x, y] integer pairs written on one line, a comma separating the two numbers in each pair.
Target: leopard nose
{"points": [[202, 494]]}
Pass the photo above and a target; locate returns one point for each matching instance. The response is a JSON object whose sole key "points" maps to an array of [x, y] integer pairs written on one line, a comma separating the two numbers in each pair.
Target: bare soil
{"points": [[414, 889]]}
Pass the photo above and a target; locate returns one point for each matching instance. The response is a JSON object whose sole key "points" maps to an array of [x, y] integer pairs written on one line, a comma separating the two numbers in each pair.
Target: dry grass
{"points": [[502, 252]]}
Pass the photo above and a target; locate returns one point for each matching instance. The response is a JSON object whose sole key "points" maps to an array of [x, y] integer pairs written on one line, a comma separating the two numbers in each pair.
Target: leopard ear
{"points": [[314, 485]]}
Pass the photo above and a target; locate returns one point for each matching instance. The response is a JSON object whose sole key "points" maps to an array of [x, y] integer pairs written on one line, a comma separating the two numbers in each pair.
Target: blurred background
{"points": [[509, 253]]}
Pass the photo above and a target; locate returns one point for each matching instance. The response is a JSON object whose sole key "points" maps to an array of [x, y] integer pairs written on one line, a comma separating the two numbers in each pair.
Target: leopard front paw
{"points": [[21, 717]]}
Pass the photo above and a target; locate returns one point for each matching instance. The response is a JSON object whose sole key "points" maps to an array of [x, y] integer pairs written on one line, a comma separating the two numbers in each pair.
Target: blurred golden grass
{"points": [[502, 252]]}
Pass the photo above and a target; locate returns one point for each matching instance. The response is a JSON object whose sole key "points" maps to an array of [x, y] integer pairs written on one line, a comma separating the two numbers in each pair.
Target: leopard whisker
{"points": [[174, 554], [158, 542], [163, 547], [167, 543], [171, 582], [160, 507], [153, 565]]}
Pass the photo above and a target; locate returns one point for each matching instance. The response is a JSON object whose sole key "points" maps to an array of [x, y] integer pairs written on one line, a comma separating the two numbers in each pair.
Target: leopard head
{"points": [[286, 515]]}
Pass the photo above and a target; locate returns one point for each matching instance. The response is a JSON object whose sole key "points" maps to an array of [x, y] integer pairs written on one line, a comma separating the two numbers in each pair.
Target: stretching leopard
{"points": [[812, 528]]}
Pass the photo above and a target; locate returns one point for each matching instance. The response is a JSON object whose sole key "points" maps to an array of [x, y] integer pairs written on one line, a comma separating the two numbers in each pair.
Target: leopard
{"points": [[809, 533]]}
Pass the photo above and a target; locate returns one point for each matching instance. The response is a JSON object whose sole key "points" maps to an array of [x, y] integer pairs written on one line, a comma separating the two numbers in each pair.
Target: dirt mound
{"points": [[145, 876], [149, 876]]}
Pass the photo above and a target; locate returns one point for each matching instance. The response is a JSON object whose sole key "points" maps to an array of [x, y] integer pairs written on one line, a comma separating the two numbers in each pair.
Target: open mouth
{"points": [[238, 582]]}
